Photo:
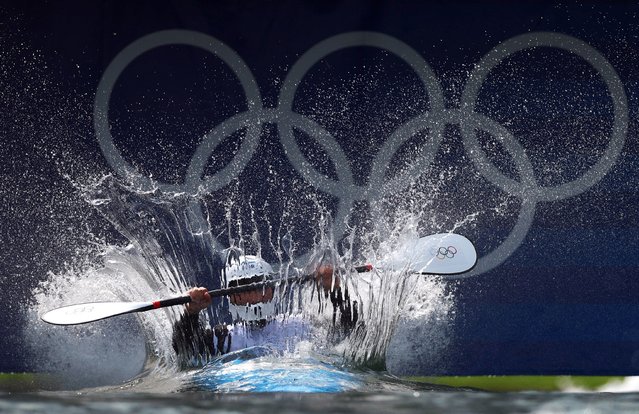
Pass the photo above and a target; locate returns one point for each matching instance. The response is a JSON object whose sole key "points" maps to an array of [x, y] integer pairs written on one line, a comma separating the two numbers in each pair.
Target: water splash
{"points": [[104, 352], [171, 243]]}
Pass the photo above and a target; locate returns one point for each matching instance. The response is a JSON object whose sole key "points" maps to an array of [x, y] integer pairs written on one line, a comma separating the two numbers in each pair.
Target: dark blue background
{"points": [[565, 302]]}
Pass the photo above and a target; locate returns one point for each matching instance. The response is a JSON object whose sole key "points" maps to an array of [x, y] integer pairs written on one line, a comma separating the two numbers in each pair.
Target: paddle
{"points": [[438, 254]]}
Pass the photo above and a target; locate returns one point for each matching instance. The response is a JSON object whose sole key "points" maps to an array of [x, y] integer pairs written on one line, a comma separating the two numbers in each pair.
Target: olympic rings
{"points": [[210, 44], [445, 252], [598, 62], [527, 190]]}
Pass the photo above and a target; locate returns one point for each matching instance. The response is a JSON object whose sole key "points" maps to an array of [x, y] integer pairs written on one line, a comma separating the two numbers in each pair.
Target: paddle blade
{"points": [[91, 312], [440, 254]]}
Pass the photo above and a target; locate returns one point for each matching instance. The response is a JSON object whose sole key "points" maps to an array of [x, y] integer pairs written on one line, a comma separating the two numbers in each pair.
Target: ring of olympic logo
{"points": [[445, 252], [346, 191]]}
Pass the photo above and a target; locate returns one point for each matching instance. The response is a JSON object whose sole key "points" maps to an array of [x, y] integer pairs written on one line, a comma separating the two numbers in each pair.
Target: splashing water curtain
{"points": [[445, 253]]}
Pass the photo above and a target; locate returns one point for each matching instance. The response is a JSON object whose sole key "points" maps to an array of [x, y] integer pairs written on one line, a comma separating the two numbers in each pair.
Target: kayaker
{"points": [[253, 313]]}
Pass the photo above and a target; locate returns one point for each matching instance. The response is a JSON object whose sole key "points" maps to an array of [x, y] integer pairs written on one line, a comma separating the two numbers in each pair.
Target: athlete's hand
{"points": [[324, 276], [200, 300]]}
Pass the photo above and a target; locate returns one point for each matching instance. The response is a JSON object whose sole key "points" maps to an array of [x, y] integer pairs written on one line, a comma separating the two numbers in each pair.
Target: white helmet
{"points": [[244, 266], [244, 269]]}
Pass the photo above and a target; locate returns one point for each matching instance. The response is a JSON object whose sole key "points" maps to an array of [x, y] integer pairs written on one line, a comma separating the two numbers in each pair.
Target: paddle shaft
{"points": [[233, 290], [181, 300], [441, 254]]}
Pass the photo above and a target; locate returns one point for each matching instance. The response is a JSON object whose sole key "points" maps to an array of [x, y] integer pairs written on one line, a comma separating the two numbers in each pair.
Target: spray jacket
{"points": [[195, 342]]}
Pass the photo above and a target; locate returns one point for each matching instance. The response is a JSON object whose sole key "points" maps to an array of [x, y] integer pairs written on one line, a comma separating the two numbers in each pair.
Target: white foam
{"points": [[106, 352]]}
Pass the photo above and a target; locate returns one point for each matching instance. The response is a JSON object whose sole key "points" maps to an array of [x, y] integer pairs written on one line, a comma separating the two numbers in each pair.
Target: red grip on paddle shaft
{"points": [[171, 302]]}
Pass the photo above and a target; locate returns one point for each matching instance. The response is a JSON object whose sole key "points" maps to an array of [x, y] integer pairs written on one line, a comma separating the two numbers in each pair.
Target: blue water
{"points": [[257, 370]]}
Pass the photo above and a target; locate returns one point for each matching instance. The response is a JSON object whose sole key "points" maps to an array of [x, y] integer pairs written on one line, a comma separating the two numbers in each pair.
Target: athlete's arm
{"points": [[190, 338], [345, 311], [325, 278]]}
